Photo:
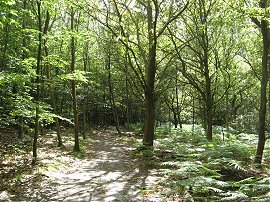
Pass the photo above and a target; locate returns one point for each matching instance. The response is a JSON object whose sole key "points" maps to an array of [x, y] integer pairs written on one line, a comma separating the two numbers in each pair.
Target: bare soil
{"points": [[105, 172]]}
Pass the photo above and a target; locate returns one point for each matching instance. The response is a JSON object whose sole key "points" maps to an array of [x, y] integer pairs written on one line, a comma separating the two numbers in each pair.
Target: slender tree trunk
{"points": [[20, 125], [175, 120], [209, 120], [38, 70], [209, 124], [264, 80], [24, 55], [84, 108], [84, 112], [112, 99], [169, 118], [208, 94], [85, 88], [227, 116], [54, 108], [73, 86], [127, 92], [48, 75], [177, 105], [84, 120], [193, 114], [4, 51]]}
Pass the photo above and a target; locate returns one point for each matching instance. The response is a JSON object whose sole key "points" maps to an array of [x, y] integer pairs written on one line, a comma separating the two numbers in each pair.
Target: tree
{"points": [[263, 25], [145, 17], [73, 84], [49, 79], [38, 70], [199, 50]]}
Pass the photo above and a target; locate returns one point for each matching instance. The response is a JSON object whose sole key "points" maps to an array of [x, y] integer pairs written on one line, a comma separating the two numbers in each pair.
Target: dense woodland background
{"points": [[147, 64]]}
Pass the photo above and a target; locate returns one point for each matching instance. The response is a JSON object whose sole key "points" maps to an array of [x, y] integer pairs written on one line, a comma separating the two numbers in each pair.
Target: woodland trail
{"points": [[107, 173]]}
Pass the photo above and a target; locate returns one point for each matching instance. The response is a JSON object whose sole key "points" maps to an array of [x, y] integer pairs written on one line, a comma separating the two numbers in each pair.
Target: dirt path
{"points": [[108, 174]]}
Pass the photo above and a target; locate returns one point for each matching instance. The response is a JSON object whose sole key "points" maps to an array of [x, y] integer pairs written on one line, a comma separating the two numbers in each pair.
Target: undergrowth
{"points": [[197, 170]]}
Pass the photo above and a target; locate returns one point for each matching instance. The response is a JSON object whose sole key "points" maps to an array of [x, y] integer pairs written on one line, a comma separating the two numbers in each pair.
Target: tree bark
{"points": [[24, 55], [149, 119], [127, 92], [38, 70], [193, 114], [175, 120], [112, 99], [177, 105], [73, 86], [48, 74], [5, 49], [150, 100], [264, 80], [209, 110]]}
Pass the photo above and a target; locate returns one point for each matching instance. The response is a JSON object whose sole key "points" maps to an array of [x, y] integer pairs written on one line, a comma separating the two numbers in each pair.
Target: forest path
{"points": [[107, 173]]}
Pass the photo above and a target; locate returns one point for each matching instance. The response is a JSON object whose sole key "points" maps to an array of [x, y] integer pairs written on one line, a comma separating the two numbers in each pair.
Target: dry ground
{"points": [[104, 172]]}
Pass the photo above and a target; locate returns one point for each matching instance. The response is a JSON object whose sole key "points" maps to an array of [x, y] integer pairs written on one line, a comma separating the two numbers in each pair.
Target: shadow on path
{"points": [[108, 175]]}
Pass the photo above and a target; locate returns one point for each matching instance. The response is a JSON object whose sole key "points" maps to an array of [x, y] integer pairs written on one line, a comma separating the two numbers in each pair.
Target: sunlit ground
{"points": [[105, 173]]}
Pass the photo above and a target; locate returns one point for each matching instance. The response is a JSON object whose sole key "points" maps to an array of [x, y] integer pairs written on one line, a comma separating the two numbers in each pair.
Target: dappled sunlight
{"points": [[108, 174]]}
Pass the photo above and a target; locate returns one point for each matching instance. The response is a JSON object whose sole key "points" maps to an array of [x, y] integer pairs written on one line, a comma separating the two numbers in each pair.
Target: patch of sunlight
{"points": [[112, 176], [195, 149], [113, 189], [96, 162], [51, 133], [55, 175], [85, 176]]}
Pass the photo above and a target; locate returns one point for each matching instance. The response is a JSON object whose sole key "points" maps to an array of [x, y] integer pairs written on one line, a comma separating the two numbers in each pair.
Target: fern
{"points": [[201, 187], [232, 149], [187, 168], [253, 187], [234, 196], [198, 170]]}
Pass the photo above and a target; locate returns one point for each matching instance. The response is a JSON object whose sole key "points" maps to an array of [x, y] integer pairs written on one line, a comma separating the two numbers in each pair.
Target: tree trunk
{"points": [[264, 80], [38, 70], [20, 125], [149, 119], [73, 86], [84, 120], [177, 105], [209, 121], [193, 114], [112, 100], [48, 75], [24, 55], [208, 93], [175, 120], [5, 49], [227, 116], [85, 87], [127, 92], [150, 99]]}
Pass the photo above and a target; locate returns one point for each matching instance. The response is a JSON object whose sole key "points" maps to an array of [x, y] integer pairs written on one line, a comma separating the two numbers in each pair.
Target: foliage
{"points": [[216, 171], [197, 62]]}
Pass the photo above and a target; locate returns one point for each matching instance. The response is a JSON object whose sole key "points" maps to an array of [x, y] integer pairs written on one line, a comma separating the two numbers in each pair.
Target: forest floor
{"points": [[182, 167], [103, 171]]}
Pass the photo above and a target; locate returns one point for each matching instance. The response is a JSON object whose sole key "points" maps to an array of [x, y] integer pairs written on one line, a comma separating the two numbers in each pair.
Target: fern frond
{"points": [[234, 196]]}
